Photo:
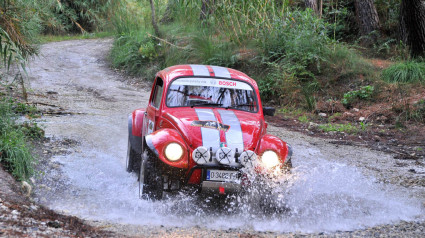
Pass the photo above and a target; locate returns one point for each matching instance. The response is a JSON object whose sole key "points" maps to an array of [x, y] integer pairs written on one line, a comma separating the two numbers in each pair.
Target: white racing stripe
{"points": [[210, 137], [199, 70], [234, 138], [221, 72]]}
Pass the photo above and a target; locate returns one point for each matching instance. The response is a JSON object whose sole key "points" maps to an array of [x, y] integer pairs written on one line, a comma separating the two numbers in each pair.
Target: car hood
{"points": [[215, 127]]}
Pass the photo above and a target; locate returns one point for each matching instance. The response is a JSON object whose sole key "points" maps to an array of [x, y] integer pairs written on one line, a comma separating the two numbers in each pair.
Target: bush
{"points": [[406, 72], [135, 52], [364, 93], [15, 152]]}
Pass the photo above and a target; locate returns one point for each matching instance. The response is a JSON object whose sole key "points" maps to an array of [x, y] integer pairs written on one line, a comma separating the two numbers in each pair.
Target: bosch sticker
{"points": [[221, 83]]}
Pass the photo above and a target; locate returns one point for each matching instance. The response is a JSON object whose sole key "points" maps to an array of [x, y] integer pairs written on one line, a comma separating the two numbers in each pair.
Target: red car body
{"points": [[202, 138]]}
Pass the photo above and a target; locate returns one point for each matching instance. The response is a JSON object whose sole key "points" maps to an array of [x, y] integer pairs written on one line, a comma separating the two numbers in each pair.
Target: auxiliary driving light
{"points": [[201, 155], [270, 159], [173, 151], [225, 155], [248, 159]]}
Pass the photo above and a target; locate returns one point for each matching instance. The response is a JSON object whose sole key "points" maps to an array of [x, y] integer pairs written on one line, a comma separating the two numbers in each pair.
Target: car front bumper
{"points": [[220, 187]]}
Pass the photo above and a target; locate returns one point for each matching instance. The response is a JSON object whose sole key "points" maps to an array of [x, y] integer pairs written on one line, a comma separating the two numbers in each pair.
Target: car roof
{"points": [[194, 70]]}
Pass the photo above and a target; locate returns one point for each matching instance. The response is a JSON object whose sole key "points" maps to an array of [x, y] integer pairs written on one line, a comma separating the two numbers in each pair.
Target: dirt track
{"points": [[339, 190]]}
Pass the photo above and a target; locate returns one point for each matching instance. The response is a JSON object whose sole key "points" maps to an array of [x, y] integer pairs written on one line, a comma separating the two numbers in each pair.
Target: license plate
{"points": [[223, 176]]}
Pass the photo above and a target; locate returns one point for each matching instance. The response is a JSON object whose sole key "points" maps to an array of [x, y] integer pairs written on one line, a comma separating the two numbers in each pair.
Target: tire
{"points": [[287, 167], [132, 158], [151, 184]]}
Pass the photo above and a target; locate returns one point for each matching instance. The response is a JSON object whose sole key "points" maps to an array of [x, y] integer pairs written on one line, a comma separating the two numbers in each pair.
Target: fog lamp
{"points": [[248, 159]]}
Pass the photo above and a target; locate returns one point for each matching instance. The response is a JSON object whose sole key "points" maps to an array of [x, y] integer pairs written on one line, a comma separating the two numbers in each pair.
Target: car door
{"points": [[154, 107]]}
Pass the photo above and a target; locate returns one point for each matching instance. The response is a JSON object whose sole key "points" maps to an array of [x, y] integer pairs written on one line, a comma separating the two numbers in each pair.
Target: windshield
{"points": [[184, 92]]}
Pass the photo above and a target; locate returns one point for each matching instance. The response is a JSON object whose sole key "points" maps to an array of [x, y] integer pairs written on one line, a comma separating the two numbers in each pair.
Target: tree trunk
{"points": [[367, 19], [154, 23], [313, 5], [320, 8], [413, 15], [402, 26]]}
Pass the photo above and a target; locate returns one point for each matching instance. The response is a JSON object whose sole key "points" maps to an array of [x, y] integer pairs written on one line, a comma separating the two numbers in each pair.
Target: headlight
{"points": [[173, 152], [270, 159]]}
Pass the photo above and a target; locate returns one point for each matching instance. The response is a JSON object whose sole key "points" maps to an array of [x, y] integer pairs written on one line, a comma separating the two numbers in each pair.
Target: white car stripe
{"points": [[200, 70], [210, 137], [221, 72], [234, 138]]}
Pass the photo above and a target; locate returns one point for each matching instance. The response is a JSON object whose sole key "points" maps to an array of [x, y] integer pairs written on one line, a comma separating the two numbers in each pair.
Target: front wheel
{"points": [[150, 178]]}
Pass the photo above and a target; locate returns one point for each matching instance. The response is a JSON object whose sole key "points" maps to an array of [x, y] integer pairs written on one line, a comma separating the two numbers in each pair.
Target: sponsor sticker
{"points": [[211, 125], [222, 83]]}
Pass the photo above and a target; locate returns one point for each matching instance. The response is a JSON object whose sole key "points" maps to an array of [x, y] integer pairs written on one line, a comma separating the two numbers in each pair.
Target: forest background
{"points": [[339, 65]]}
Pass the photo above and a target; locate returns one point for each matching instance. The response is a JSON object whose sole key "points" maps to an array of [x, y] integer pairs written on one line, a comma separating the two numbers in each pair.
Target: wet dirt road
{"points": [[334, 189]]}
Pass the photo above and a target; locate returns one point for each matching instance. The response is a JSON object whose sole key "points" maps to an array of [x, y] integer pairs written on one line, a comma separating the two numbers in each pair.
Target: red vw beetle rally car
{"points": [[204, 126]]}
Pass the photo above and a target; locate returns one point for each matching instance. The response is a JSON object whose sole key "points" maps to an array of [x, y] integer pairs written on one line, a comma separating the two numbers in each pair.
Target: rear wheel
{"points": [[151, 184], [132, 158]]}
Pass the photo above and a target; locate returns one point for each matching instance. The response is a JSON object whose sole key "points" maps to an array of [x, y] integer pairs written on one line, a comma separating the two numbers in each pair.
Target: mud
{"points": [[87, 104]]}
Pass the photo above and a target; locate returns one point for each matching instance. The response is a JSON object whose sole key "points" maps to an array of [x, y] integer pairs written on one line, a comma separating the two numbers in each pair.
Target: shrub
{"points": [[364, 93], [135, 52], [15, 153], [405, 72]]}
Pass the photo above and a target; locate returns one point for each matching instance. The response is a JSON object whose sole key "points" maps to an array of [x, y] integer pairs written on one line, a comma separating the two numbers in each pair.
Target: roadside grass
{"points": [[405, 72], [55, 38], [15, 149], [347, 128]]}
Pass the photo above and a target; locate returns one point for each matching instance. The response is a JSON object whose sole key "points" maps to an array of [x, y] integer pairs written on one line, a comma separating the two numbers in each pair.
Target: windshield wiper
{"points": [[239, 105], [207, 104]]}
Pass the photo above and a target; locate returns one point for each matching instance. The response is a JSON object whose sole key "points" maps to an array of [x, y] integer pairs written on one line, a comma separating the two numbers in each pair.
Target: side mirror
{"points": [[269, 111]]}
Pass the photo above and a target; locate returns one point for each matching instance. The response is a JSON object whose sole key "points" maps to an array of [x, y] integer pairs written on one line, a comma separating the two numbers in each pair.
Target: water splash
{"points": [[319, 195]]}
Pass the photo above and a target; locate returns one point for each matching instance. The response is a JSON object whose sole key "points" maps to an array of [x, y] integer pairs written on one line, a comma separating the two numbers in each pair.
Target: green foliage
{"points": [[214, 53], [347, 128], [15, 153], [289, 51], [61, 16], [405, 72], [24, 109], [19, 26], [364, 93], [298, 38], [303, 119], [300, 50], [134, 49]]}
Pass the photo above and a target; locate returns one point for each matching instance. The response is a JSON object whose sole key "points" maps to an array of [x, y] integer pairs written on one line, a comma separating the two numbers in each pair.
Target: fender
{"points": [[158, 140], [135, 132], [269, 142]]}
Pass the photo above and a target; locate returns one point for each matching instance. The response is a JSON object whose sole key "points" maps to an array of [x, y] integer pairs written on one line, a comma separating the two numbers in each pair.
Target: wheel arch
{"points": [[158, 140], [135, 129]]}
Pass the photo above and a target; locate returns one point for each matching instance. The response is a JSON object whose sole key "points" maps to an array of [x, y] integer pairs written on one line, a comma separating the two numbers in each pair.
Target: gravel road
{"points": [[335, 190]]}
